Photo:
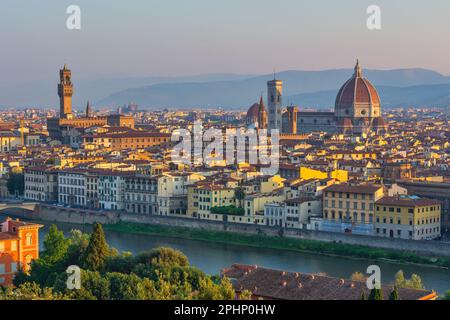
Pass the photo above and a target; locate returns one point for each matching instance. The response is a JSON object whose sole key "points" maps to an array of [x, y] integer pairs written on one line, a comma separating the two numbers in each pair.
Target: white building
{"points": [[172, 192], [41, 184], [72, 187], [111, 189]]}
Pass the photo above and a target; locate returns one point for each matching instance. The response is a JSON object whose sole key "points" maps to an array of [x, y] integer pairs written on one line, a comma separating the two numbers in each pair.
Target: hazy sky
{"points": [[179, 37]]}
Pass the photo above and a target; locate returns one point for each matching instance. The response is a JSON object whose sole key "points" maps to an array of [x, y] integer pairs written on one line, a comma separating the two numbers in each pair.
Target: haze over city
{"points": [[224, 150]]}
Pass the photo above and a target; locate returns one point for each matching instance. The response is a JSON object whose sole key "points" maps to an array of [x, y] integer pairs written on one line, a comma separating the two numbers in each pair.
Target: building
{"points": [[172, 192], [274, 98], [203, 196], [111, 189], [357, 110], [408, 217], [19, 245], [41, 184], [270, 284], [350, 208], [257, 115], [67, 128], [292, 213], [141, 194], [72, 187]]}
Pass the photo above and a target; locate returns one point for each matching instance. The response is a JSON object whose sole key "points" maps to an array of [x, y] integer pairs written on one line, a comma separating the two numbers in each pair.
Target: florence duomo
{"points": [[357, 110]]}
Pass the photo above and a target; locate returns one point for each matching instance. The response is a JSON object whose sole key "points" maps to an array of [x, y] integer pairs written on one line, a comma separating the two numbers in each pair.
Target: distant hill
{"points": [[437, 95], [311, 88], [305, 88]]}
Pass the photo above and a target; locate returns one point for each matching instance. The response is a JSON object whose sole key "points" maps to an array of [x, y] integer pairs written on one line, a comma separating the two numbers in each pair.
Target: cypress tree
{"points": [[376, 294], [394, 294], [96, 251]]}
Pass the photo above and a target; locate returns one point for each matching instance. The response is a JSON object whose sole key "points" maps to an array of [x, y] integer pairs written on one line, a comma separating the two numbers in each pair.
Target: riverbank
{"points": [[280, 243]]}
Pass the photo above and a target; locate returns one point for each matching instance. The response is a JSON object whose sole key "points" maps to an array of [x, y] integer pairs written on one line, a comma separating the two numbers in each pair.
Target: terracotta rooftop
{"points": [[284, 285]]}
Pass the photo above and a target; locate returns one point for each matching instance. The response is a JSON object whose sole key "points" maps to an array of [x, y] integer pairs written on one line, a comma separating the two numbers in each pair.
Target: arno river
{"points": [[212, 257]]}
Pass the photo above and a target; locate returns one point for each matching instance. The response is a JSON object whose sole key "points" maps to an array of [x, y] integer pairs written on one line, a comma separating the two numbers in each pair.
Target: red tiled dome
{"points": [[252, 113], [345, 122], [357, 90]]}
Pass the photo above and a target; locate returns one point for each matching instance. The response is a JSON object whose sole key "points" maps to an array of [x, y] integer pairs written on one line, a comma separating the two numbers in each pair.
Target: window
{"points": [[29, 239], [2, 246], [2, 268]]}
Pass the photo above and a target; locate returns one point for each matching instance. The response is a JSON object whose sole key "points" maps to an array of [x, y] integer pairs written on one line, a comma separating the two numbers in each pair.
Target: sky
{"points": [[185, 37]]}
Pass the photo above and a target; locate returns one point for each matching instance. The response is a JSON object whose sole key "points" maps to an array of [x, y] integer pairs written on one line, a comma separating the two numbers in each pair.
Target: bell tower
{"points": [[274, 93], [65, 92]]}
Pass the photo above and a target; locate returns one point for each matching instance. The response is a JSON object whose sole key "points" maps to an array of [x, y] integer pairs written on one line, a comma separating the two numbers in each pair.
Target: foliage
{"points": [[16, 183], [97, 250], [394, 294], [30, 291], [230, 210], [163, 257], [446, 296], [157, 274], [376, 294], [415, 282], [55, 245]]}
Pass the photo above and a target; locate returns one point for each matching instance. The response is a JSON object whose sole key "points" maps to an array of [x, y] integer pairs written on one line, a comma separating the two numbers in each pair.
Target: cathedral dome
{"points": [[252, 113], [357, 97], [257, 115]]}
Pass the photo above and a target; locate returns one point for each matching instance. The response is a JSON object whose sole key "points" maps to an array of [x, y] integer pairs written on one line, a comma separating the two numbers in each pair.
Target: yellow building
{"points": [[351, 203], [408, 217], [204, 196]]}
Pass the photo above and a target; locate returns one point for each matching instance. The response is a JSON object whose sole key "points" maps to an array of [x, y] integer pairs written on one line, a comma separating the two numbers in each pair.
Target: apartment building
{"points": [[40, 184], [19, 245], [350, 208], [172, 192], [408, 217], [111, 189], [201, 197], [72, 187], [92, 201], [141, 194], [292, 213]]}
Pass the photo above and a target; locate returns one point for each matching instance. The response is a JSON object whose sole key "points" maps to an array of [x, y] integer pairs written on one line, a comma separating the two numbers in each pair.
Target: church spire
{"points": [[358, 71], [88, 110]]}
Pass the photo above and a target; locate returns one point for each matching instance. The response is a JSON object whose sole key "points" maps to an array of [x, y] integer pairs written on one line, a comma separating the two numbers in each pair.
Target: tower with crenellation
{"points": [[65, 92]]}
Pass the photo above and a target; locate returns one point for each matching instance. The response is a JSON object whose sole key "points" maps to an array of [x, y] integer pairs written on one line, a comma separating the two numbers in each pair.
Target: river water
{"points": [[212, 257]]}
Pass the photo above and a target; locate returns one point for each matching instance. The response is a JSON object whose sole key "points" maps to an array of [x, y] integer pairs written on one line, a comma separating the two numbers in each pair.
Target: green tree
{"points": [[163, 257], [96, 251], [16, 183], [376, 294], [211, 291], [31, 291], [245, 295], [55, 245], [394, 294], [415, 282], [446, 296]]}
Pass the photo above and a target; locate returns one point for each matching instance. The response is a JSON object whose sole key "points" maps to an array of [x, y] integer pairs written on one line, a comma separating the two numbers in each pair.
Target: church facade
{"points": [[357, 110]]}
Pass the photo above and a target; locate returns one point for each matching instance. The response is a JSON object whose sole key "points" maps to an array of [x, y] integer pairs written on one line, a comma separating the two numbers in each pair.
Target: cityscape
{"points": [[131, 195]]}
